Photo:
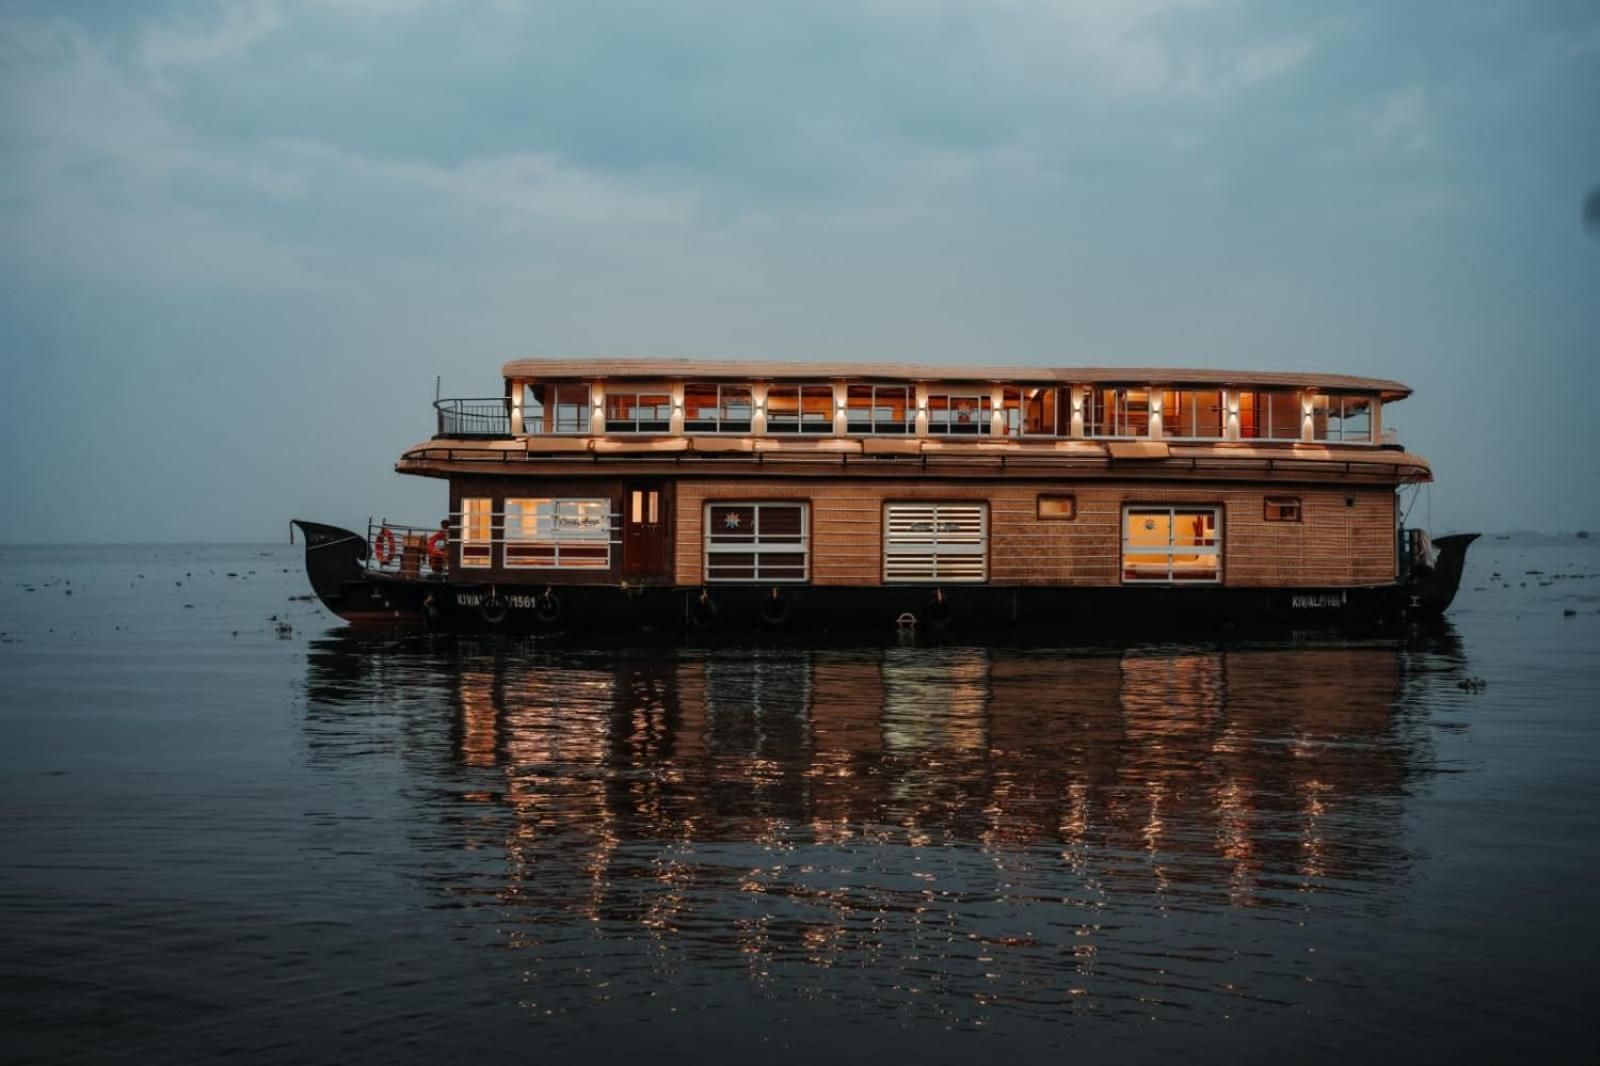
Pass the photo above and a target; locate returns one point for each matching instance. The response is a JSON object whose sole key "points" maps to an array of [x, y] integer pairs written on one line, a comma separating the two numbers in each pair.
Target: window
{"points": [[1270, 415], [558, 534], [1040, 407], [1171, 545], [935, 542], [800, 409], [555, 409], [879, 409], [756, 542], [645, 507], [1282, 509], [477, 532], [1058, 508], [639, 411], [1342, 418], [1118, 413], [1191, 413], [1028, 411], [959, 413], [717, 408]]}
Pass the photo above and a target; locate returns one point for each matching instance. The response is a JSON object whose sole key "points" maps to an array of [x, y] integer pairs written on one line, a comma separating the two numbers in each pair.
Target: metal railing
{"points": [[522, 541], [408, 551], [487, 416]]}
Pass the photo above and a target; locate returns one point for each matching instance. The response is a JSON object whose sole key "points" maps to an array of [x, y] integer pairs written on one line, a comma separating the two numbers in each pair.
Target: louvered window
{"points": [[935, 542], [764, 542]]}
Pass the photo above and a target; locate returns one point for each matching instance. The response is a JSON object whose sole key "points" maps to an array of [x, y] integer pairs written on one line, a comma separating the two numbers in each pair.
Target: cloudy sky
{"points": [[238, 241]]}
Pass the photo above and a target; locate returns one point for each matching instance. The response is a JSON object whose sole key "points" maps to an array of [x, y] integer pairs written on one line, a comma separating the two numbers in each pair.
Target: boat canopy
{"points": [[604, 369]]}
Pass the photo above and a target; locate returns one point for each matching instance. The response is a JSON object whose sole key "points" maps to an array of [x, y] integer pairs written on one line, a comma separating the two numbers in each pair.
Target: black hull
{"points": [[334, 562]]}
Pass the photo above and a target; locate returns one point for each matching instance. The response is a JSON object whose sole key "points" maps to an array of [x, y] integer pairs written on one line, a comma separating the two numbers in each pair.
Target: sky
{"points": [[239, 241]]}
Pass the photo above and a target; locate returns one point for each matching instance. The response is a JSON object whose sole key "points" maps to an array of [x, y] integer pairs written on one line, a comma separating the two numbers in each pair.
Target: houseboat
{"points": [[688, 493]]}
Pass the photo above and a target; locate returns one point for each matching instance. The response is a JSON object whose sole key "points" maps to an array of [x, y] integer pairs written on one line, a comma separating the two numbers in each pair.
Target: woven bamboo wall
{"points": [[1335, 544]]}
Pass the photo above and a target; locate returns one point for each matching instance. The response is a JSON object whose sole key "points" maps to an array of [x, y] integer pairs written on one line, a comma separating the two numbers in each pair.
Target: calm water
{"points": [[222, 838]]}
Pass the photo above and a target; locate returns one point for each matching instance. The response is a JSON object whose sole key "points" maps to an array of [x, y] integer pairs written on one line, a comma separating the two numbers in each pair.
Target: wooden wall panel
{"points": [[1335, 544]]}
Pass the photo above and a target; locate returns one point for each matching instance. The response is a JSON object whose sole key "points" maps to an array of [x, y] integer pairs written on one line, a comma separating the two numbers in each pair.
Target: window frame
{"points": [[1072, 507], [709, 548], [1282, 502], [876, 426], [554, 536], [1261, 414], [635, 425], [799, 427], [1116, 424], [1329, 418], [721, 422], [1192, 397], [983, 426], [955, 550], [477, 532], [1172, 512], [553, 415]]}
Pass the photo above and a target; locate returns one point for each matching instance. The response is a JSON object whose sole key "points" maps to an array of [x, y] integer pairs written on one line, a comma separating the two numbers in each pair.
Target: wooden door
{"points": [[646, 547]]}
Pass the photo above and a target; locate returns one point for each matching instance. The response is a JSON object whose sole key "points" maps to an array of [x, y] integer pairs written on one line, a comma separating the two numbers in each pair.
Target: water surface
{"points": [[231, 826]]}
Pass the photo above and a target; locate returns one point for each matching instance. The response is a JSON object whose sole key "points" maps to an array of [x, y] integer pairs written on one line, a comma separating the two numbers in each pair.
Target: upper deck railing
{"points": [[477, 417]]}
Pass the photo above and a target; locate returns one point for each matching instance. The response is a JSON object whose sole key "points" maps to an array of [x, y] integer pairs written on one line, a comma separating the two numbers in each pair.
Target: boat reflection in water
{"points": [[1034, 829]]}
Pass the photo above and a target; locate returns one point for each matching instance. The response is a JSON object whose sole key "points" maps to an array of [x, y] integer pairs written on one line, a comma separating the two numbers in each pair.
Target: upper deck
{"points": [[645, 415]]}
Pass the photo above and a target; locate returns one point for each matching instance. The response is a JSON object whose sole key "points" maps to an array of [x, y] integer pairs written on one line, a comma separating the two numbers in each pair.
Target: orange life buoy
{"points": [[383, 546], [436, 547]]}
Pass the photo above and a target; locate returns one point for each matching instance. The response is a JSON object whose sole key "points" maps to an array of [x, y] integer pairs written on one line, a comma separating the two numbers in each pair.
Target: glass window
{"points": [[1274, 415], [1040, 411], [477, 531], [1118, 413], [549, 533], [1171, 545], [1190, 413], [717, 408], [1058, 508], [1342, 418], [639, 411], [959, 413], [1282, 509], [800, 409], [756, 542], [879, 409], [942, 542], [1011, 411], [555, 408]]}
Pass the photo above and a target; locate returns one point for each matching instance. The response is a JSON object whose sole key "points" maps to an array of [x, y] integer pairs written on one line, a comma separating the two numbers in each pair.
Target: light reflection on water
{"points": [[966, 832], [220, 840]]}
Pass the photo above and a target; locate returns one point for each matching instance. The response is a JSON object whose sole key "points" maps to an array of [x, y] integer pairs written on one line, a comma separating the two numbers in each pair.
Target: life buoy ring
{"points": [[383, 546], [548, 608], [703, 611], [493, 610], [775, 609], [436, 549]]}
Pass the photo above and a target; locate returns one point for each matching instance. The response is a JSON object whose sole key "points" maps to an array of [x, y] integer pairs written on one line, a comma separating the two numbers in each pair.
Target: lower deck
{"points": [[853, 533]]}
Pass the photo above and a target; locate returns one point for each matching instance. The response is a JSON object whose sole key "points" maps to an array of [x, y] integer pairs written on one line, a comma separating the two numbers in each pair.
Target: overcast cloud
{"points": [[237, 241]]}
